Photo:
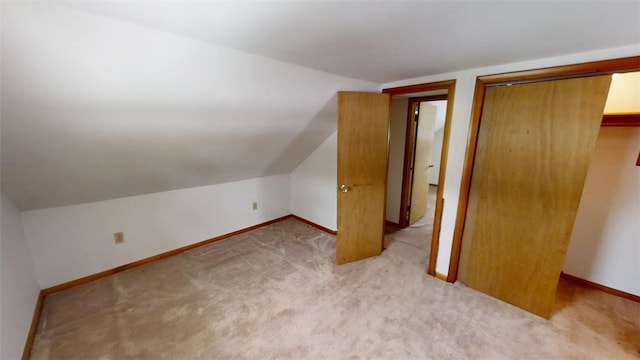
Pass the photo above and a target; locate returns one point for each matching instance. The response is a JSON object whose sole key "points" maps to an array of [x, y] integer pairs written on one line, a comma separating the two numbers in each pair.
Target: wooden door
{"points": [[363, 127], [534, 146], [423, 152]]}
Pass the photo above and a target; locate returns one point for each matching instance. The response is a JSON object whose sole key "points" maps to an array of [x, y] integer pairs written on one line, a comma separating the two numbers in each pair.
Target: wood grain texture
{"points": [[407, 174], [423, 152], [628, 64], [418, 88], [26, 353], [435, 236], [363, 128], [317, 226], [465, 184], [603, 288], [620, 120], [440, 276], [600, 287], [391, 224], [482, 139], [440, 201], [450, 87], [534, 148]]}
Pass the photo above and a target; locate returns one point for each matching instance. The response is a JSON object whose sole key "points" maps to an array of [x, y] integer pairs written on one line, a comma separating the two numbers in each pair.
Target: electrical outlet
{"points": [[118, 237], [255, 205]]}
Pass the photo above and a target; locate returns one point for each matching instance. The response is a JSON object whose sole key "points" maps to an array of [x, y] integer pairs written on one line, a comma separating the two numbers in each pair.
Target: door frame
{"points": [[620, 65], [449, 86], [409, 152]]}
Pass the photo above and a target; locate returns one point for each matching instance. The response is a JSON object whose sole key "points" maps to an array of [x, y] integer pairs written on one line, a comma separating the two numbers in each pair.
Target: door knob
{"points": [[344, 188]]}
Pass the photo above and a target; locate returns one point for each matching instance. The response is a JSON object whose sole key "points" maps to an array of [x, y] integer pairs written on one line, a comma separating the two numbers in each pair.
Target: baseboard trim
{"points": [[73, 283], [440, 276], [28, 345], [308, 222], [100, 275], [606, 289], [391, 223], [632, 119]]}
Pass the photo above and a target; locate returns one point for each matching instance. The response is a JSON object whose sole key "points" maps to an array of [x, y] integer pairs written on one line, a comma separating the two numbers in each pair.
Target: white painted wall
{"points": [[397, 136], [95, 108], [19, 288], [465, 81], [605, 243], [74, 241], [313, 185]]}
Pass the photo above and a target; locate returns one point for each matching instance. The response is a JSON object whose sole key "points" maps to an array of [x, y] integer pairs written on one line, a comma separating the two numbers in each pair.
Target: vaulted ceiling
{"points": [[110, 99]]}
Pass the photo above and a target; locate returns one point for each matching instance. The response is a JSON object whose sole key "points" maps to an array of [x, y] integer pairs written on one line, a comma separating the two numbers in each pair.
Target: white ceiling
{"points": [[110, 99], [385, 41]]}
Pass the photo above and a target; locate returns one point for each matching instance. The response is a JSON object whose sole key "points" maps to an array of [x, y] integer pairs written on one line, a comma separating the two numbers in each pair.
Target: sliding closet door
{"points": [[533, 152]]}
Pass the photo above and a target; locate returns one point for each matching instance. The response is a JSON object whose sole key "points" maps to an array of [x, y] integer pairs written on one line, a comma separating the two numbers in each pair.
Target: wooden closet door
{"points": [[533, 152]]}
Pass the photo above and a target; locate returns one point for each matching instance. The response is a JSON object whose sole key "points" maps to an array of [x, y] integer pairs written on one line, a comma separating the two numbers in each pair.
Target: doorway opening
{"points": [[409, 160], [425, 131], [603, 247]]}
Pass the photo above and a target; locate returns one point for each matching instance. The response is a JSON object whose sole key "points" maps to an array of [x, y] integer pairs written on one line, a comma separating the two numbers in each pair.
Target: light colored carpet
{"points": [[276, 293]]}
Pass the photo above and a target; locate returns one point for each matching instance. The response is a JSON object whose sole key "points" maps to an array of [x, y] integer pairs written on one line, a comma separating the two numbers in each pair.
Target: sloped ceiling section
{"points": [[385, 41], [105, 99], [96, 108]]}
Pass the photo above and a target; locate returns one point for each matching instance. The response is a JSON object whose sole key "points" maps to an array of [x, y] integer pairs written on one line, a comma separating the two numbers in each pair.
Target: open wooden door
{"points": [[422, 159], [363, 127], [533, 151]]}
